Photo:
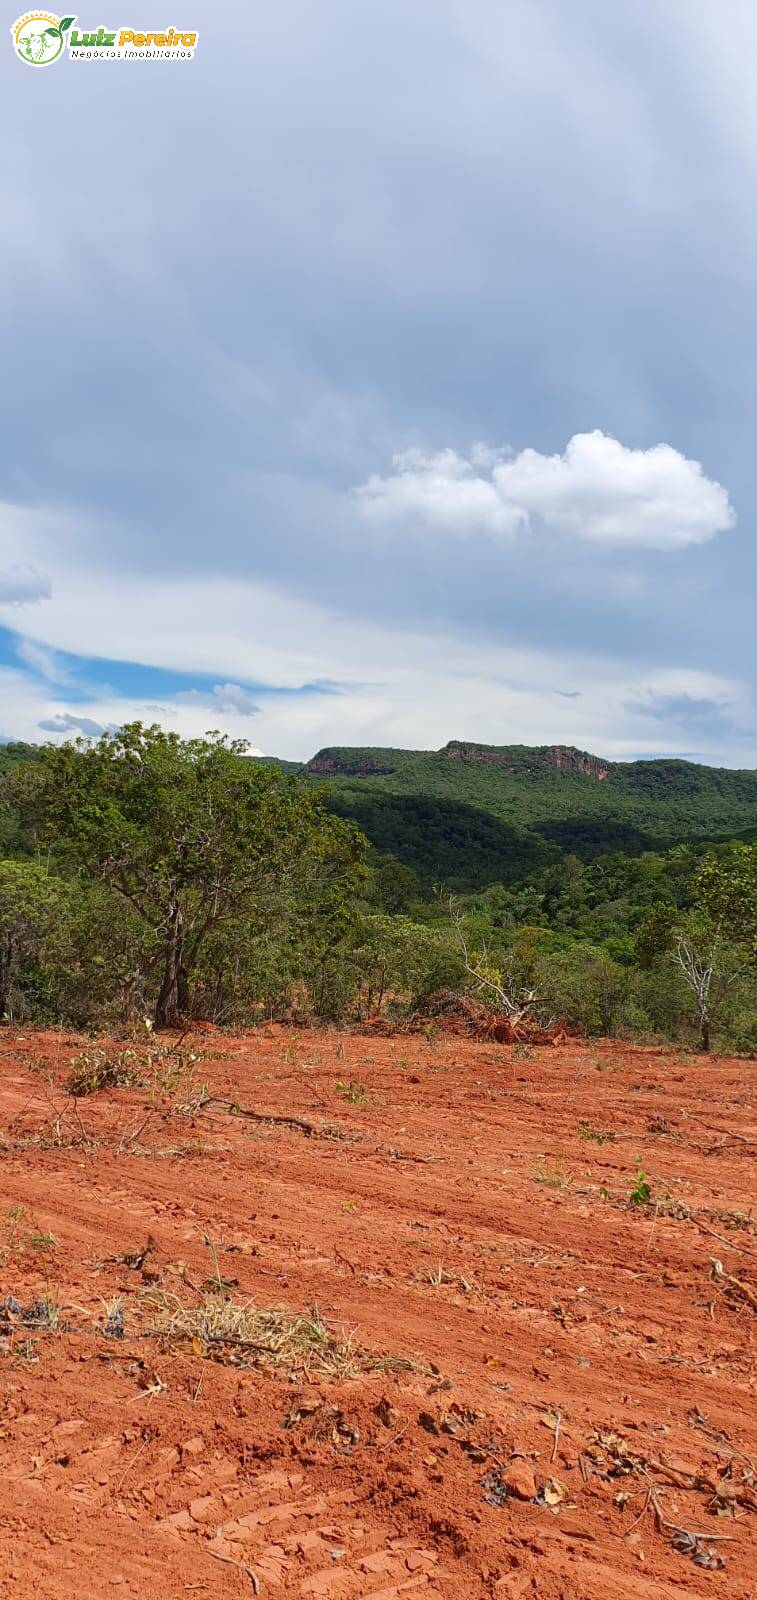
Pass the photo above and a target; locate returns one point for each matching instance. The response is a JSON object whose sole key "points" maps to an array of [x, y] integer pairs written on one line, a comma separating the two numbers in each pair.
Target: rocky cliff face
{"points": [[332, 763], [477, 752], [566, 759], [562, 757], [323, 762]]}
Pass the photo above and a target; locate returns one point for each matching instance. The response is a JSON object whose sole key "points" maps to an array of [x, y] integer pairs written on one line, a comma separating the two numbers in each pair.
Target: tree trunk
{"points": [[168, 1010], [182, 986], [6, 962], [705, 1035], [380, 1000]]}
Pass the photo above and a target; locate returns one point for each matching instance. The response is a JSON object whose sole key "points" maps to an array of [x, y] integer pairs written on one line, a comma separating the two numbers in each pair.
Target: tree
{"points": [[710, 966], [726, 886], [30, 904], [584, 986], [498, 982], [190, 835], [692, 942], [392, 886], [392, 955], [697, 960]]}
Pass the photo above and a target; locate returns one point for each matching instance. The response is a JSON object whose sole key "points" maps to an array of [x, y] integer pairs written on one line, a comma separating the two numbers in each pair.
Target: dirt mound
{"points": [[530, 1370]]}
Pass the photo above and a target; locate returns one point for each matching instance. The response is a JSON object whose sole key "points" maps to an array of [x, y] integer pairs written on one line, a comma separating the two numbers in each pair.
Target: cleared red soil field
{"points": [[454, 1209]]}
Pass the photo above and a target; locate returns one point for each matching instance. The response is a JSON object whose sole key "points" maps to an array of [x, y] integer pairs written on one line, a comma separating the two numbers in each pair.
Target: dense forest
{"points": [[548, 800], [146, 877]]}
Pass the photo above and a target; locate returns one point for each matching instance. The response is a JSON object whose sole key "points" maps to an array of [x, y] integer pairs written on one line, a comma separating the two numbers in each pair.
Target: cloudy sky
{"points": [[386, 375]]}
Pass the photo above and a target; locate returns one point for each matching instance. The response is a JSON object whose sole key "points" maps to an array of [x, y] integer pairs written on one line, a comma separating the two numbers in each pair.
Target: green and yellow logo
{"points": [[38, 37]]}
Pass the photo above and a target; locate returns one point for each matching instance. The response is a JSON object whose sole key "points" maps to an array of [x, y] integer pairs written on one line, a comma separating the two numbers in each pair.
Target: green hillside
{"points": [[470, 813]]}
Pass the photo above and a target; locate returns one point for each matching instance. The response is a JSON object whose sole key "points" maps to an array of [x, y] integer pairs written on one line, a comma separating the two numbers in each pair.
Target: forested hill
{"points": [[475, 813]]}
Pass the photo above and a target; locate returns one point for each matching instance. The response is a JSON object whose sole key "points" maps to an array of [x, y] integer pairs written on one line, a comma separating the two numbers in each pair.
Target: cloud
{"points": [[230, 698], [64, 722], [441, 250], [22, 585], [43, 661], [598, 491], [414, 684], [443, 491], [707, 716]]}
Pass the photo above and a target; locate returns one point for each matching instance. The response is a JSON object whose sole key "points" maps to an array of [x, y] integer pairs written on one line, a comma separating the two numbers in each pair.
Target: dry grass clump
{"points": [[276, 1337]]}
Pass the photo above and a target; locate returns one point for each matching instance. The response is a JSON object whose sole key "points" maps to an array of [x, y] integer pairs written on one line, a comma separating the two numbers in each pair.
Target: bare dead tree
{"points": [[698, 971], [500, 983]]}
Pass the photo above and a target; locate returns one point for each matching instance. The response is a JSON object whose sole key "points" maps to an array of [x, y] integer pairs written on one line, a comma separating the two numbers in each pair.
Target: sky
{"points": [[385, 375]]}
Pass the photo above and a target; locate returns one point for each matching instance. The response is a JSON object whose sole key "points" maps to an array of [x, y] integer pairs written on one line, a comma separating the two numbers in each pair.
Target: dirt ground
{"points": [[547, 1389]]}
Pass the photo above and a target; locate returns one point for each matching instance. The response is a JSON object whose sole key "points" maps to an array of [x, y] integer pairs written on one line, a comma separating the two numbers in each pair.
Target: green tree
{"points": [[392, 886], [189, 835], [31, 903], [708, 964], [726, 886], [392, 955], [585, 987]]}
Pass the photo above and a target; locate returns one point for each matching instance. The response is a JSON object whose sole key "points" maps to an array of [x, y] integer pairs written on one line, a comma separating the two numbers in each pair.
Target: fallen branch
{"points": [[240, 1565], [556, 1439], [732, 1284], [727, 1132], [743, 1249], [235, 1110]]}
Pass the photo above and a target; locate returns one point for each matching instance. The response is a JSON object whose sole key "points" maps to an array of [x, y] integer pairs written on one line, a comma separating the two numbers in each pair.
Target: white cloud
{"points": [[415, 690], [443, 491], [22, 586], [225, 697], [46, 663], [415, 687], [599, 491]]}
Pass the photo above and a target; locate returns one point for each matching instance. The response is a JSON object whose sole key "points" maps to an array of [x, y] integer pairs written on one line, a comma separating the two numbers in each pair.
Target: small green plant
{"points": [[596, 1135], [641, 1189], [47, 1311], [353, 1091], [521, 1052], [173, 1070], [42, 1241], [15, 1238], [25, 1352], [11, 1229]]}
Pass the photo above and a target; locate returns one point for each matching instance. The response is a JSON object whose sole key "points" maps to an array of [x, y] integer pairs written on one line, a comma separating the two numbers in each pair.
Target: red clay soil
{"points": [[575, 1416]]}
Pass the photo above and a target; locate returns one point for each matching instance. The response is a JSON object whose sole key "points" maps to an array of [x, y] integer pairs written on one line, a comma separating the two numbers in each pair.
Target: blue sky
{"points": [[386, 375]]}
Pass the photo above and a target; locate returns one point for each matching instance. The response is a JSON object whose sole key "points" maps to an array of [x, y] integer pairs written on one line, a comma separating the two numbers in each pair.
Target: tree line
{"points": [[146, 876]]}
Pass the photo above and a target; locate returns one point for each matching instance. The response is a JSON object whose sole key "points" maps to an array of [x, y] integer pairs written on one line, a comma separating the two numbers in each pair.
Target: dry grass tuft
{"points": [[553, 1174], [276, 1337]]}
